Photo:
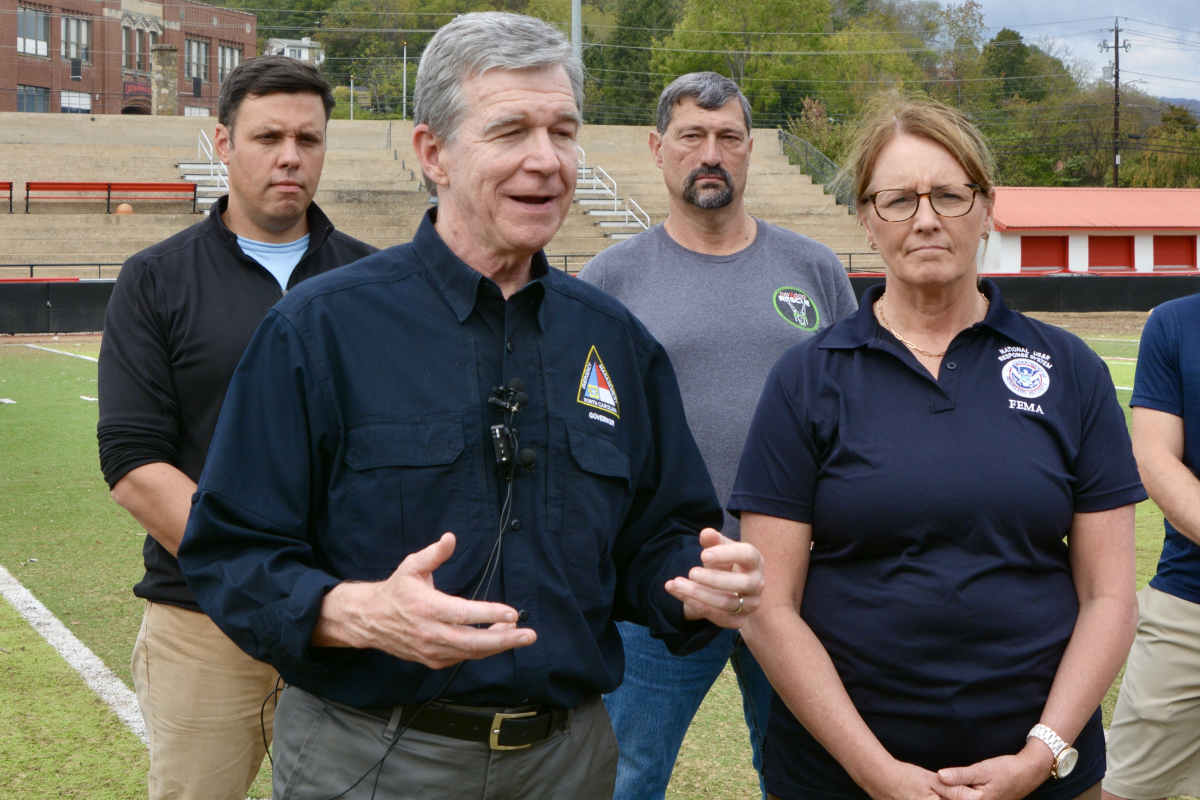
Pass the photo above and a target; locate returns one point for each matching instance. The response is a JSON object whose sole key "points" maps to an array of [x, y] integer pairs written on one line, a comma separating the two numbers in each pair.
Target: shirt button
{"points": [[516, 524], [951, 365], [522, 615], [509, 347]]}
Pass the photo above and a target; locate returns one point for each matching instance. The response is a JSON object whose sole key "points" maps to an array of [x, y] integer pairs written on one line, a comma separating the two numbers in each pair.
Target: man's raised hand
{"points": [[728, 588], [410, 619]]}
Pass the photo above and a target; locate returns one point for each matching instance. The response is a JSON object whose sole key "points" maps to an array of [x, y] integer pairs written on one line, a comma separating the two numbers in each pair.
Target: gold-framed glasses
{"points": [[899, 205]]}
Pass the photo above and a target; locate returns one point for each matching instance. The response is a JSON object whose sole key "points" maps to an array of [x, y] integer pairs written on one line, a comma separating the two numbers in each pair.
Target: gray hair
{"points": [[471, 45], [708, 88]]}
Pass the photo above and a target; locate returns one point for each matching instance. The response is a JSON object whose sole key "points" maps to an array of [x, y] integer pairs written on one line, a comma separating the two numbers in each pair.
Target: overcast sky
{"points": [[1163, 35]]}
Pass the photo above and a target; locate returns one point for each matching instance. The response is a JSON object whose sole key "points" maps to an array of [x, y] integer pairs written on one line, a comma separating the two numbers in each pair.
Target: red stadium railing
{"points": [[6, 186], [119, 191]]}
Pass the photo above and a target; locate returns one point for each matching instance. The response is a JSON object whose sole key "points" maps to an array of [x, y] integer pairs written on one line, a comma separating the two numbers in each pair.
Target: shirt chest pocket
{"points": [[597, 494], [407, 484]]}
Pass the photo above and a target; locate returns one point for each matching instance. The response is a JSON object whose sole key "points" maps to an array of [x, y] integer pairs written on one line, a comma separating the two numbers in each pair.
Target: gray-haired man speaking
{"points": [[752, 290], [443, 473]]}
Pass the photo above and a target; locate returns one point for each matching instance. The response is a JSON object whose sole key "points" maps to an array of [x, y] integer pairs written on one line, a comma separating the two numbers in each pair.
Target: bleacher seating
{"points": [[370, 188], [96, 190]]}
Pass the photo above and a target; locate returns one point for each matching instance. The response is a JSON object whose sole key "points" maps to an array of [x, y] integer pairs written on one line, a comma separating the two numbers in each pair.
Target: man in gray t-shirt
{"points": [[726, 294]]}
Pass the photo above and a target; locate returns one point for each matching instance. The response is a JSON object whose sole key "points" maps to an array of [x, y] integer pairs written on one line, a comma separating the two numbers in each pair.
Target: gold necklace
{"points": [[883, 318]]}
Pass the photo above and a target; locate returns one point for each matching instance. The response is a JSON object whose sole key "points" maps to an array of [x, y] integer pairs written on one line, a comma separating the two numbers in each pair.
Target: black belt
{"points": [[501, 730]]}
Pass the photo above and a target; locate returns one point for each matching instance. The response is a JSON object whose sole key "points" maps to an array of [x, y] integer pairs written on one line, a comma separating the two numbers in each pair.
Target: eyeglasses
{"points": [[898, 205]]}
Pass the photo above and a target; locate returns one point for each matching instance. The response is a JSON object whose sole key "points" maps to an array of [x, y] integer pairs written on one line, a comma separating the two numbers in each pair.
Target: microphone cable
{"points": [[485, 584]]}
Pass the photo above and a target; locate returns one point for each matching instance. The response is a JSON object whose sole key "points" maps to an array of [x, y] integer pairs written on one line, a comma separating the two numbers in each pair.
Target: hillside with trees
{"points": [[807, 66]]}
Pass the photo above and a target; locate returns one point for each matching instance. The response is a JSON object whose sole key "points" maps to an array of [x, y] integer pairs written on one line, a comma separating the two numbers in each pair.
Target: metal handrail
{"points": [[850, 262], [97, 264], [598, 183], [634, 214], [815, 163], [566, 260], [581, 159], [216, 168]]}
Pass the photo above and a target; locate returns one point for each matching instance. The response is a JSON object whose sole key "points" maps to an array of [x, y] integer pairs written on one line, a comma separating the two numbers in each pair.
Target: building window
{"points": [[227, 60], [33, 32], [135, 48], [1044, 252], [296, 53], [76, 38], [195, 111], [1110, 252], [1178, 252], [196, 59], [75, 102], [33, 99]]}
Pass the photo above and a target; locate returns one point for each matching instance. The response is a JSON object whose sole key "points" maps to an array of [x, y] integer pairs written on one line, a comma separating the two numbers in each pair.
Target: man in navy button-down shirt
{"points": [[366, 421]]}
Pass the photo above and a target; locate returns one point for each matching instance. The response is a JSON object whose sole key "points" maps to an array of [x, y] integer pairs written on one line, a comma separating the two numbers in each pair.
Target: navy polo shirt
{"points": [[356, 432], [939, 580], [1168, 380]]}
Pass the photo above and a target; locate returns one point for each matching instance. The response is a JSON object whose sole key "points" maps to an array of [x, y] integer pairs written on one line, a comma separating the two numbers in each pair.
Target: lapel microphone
{"points": [[511, 398]]}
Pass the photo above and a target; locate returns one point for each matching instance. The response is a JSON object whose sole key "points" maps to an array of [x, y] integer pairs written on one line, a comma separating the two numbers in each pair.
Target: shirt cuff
{"points": [[667, 621]]}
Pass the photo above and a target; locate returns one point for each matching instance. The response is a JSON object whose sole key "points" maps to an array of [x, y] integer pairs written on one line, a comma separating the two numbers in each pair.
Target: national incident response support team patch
{"points": [[596, 388], [797, 308]]}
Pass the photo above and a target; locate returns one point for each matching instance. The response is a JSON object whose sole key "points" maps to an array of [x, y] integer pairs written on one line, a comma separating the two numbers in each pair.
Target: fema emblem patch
{"points": [[797, 308], [1025, 377], [596, 388]]}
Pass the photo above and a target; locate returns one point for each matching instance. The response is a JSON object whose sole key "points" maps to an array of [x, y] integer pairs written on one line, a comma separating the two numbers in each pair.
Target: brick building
{"points": [[93, 56]]}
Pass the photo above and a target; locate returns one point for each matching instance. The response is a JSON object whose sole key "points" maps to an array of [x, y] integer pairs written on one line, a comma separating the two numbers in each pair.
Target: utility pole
{"points": [[577, 28], [351, 98], [1116, 71]]}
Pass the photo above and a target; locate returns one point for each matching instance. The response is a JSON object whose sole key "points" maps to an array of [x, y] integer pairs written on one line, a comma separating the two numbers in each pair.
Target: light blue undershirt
{"points": [[277, 259]]}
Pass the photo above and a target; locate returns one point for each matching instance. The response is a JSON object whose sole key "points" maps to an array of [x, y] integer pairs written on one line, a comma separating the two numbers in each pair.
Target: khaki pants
{"points": [[1154, 741], [200, 697]]}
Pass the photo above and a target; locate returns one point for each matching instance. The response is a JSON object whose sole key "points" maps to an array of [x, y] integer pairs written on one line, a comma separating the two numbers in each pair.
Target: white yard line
{"points": [[63, 353], [98, 677], [1119, 359], [1099, 339]]}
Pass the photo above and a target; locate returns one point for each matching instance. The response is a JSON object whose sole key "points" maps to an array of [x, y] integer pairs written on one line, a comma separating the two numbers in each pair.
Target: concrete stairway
{"points": [[776, 191], [370, 188]]}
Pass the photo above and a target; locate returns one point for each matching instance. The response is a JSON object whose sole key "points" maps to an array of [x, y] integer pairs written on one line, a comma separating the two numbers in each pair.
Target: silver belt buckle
{"points": [[494, 738]]}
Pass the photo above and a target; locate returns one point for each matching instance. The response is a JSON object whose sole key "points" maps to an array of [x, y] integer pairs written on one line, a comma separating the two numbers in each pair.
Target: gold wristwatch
{"points": [[1065, 756]]}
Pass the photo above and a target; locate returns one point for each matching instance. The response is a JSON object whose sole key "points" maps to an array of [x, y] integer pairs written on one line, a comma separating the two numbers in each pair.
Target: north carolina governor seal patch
{"points": [[596, 388], [1025, 377], [797, 308]]}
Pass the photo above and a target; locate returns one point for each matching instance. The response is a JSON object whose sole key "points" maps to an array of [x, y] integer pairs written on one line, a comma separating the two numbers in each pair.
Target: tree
{"points": [[742, 40], [623, 90], [871, 58], [1008, 59], [959, 68]]}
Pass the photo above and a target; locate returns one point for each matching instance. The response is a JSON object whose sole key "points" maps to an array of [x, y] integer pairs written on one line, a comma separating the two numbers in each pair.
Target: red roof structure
{"points": [[1056, 208]]}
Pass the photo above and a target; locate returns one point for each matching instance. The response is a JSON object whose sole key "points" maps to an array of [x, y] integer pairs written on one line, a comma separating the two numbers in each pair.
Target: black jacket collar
{"points": [[319, 228]]}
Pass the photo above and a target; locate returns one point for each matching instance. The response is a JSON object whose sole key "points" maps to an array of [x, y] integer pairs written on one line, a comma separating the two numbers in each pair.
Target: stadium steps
{"points": [[370, 191]]}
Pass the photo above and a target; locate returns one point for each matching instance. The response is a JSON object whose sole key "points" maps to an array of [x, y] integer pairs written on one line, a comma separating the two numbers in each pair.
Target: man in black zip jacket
{"points": [[181, 315]]}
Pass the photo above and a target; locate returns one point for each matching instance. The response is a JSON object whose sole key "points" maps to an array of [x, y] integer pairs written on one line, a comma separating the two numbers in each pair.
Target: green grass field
{"points": [[68, 543]]}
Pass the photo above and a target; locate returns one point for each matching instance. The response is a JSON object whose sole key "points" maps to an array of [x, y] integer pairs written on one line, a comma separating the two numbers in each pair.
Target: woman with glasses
{"points": [[943, 492]]}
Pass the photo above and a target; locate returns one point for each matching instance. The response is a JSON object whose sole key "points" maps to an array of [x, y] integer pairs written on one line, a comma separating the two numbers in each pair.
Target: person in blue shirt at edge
{"points": [[1154, 740], [753, 290], [442, 475], [910, 476]]}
